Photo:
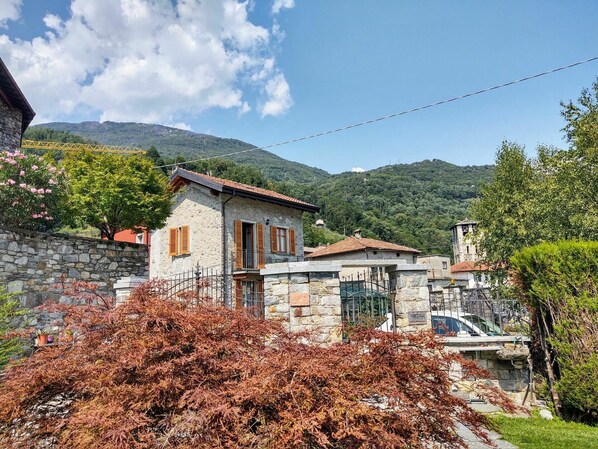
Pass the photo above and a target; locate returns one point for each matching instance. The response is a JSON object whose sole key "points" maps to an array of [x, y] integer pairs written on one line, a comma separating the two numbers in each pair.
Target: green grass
{"points": [[537, 433]]}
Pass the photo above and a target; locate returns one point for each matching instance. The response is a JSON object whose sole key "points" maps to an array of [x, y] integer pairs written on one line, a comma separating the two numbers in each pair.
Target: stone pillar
{"points": [[409, 284], [305, 296], [124, 286]]}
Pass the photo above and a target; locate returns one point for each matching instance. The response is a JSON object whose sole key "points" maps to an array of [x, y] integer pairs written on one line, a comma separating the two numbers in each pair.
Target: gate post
{"points": [[410, 296]]}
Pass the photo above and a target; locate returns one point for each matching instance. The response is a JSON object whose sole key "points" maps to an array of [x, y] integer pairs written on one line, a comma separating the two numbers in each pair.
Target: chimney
{"points": [[357, 233]]}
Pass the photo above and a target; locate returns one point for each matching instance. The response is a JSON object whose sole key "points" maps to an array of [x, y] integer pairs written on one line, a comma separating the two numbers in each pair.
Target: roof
{"points": [[467, 266], [464, 222], [351, 244], [11, 94], [237, 189]]}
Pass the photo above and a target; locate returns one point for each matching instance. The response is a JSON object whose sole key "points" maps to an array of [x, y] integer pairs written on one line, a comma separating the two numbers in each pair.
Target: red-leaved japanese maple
{"points": [[164, 374]]}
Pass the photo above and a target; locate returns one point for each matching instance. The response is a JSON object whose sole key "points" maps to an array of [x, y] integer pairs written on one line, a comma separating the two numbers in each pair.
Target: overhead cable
{"points": [[389, 116]]}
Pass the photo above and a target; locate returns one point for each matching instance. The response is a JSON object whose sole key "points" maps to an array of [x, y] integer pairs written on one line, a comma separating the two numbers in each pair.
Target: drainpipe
{"points": [[224, 253]]}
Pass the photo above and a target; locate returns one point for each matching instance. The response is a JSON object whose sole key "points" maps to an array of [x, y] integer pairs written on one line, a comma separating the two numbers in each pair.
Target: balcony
{"points": [[254, 260]]}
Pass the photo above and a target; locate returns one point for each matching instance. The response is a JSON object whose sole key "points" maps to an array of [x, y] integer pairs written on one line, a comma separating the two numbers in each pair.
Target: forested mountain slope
{"points": [[173, 142]]}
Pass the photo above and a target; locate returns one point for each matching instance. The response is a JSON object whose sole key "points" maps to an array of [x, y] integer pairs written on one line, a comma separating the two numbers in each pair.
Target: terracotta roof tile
{"points": [[237, 186], [467, 266], [351, 244]]}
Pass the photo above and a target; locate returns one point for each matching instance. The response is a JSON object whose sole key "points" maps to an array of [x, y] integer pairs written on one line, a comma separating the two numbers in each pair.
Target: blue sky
{"points": [[268, 71]]}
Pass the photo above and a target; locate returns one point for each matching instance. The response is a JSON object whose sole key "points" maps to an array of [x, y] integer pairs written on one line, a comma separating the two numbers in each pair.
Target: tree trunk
{"points": [[543, 333]]}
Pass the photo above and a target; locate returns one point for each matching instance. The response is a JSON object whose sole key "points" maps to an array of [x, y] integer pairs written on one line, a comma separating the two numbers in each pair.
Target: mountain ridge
{"points": [[175, 142]]}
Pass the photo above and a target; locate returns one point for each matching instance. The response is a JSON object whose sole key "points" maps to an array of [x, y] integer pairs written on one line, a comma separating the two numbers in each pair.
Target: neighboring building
{"points": [[225, 225], [359, 248], [143, 237], [15, 112], [471, 274], [439, 271], [463, 247]]}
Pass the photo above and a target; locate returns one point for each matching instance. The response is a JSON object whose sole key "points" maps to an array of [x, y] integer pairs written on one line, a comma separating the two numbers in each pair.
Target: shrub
{"points": [[558, 282], [155, 373], [31, 192], [10, 346]]}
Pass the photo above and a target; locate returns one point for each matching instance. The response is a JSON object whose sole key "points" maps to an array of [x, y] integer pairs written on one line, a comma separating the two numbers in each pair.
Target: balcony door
{"points": [[249, 245]]}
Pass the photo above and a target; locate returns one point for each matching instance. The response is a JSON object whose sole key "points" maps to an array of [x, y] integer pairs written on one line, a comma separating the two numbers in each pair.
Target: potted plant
{"points": [[42, 338]]}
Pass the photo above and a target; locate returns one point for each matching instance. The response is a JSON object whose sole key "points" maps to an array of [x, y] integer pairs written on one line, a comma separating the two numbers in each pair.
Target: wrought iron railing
{"points": [[460, 311], [253, 259]]}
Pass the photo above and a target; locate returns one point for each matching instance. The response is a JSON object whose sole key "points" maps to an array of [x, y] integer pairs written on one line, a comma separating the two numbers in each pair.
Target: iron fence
{"points": [[366, 301], [252, 259], [199, 284], [476, 311]]}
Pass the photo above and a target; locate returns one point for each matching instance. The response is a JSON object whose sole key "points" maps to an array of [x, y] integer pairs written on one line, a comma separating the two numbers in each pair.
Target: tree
{"points": [[172, 373], [32, 192], [551, 197], [556, 280], [114, 192], [153, 154]]}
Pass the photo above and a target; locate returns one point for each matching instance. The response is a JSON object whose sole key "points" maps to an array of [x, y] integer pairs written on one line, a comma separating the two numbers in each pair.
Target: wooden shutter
{"points": [[173, 242], [292, 249], [238, 294], [238, 245], [273, 239], [261, 257], [185, 240]]}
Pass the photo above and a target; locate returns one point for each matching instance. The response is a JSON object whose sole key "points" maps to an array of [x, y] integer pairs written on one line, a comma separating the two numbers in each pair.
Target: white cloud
{"points": [[9, 10], [358, 170], [181, 125], [155, 61], [278, 94], [278, 5]]}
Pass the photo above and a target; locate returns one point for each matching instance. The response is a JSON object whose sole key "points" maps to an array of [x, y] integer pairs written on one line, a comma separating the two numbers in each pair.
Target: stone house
{"points": [[230, 227], [15, 112], [471, 274], [439, 270], [356, 247]]}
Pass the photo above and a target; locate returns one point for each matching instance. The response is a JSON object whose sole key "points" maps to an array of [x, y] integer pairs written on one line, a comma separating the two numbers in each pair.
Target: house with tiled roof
{"points": [[356, 248], [230, 227], [471, 274]]}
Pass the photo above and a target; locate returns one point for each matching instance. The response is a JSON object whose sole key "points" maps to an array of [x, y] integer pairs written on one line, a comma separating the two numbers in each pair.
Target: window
{"points": [[281, 240], [179, 241], [444, 265]]}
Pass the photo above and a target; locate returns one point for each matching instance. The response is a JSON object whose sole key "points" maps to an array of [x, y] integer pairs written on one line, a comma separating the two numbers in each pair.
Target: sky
{"points": [[265, 71]]}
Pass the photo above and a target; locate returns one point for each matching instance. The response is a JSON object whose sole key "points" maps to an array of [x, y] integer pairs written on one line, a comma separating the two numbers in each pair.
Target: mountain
{"points": [[173, 142], [410, 204]]}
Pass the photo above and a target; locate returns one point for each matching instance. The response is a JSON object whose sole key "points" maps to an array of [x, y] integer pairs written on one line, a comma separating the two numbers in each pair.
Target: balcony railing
{"points": [[251, 259]]}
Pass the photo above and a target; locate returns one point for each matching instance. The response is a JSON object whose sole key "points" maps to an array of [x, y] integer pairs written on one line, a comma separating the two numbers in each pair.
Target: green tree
{"points": [[113, 192], [156, 158], [10, 347], [551, 197]]}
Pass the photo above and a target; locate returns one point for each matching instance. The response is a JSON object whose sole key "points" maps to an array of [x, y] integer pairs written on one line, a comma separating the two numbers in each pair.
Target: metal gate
{"points": [[366, 302]]}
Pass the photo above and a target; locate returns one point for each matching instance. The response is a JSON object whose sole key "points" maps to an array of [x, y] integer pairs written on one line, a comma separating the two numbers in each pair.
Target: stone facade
{"points": [[33, 263], [305, 296], [202, 210], [463, 247], [10, 127]]}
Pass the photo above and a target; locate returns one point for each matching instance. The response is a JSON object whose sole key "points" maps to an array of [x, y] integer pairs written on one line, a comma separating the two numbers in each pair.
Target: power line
{"points": [[396, 114]]}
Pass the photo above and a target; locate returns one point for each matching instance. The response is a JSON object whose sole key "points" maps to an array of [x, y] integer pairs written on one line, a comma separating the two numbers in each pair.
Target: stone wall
{"points": [[33, 263], [305, 296], [10, 127]]}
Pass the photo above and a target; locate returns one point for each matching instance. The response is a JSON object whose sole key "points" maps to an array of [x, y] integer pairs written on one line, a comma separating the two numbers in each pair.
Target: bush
{"points": [[156, 373], [558, 282], [10, 346], [31, 192]]}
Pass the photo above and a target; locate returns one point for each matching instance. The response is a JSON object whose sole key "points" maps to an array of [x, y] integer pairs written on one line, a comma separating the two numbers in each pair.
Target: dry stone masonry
{"points": [[33, 263], [305, 296], [10, 127]]}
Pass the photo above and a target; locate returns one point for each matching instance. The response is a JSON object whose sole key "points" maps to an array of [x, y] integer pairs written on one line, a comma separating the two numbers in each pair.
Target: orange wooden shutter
{"points": [[273, 239], [238, 294], [185, 240], [238, 245], [173, 242], [292, 249], [261, 257]]}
